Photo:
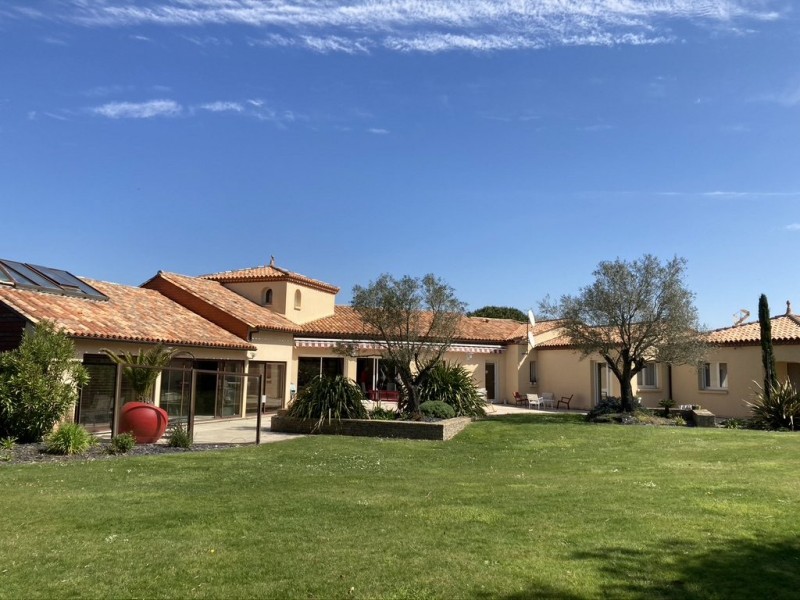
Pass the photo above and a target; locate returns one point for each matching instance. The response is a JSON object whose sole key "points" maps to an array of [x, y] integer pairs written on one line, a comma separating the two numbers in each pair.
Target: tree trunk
{"points": [[412, 402], [626, 389]]}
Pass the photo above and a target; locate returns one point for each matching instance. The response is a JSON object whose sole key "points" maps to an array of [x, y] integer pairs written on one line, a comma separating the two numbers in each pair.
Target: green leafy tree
{"points": [[634, 313], [500, 312], [767, 353], [38, 383], [415, 319]]}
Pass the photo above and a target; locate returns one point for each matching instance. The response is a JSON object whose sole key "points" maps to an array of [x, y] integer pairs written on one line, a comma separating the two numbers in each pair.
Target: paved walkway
{"points": [[243, 431]]}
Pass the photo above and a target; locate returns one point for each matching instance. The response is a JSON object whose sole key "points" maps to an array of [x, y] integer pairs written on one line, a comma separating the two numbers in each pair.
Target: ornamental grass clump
{"points": [[68, 439], [453, 385], [332, 398], [122, 443], [178, 437], [779, 409]]}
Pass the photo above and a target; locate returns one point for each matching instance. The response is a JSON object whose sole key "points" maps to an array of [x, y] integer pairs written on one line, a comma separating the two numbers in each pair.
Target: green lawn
{"points": [[514, 507]]}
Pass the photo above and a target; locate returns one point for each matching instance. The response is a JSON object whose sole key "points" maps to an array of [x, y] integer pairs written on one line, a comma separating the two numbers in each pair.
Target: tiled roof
{"points": [[228, 301], [785, 329], [130, 314], [345, 322], [270, 273]]}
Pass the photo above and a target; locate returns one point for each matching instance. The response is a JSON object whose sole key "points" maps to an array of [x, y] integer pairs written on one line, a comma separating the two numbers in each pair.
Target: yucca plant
{"points": [[777, 410], [329, 398], [452, 384], [142, 368]]}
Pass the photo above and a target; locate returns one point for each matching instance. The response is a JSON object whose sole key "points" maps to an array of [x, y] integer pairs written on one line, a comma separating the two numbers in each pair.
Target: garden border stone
{"points": [[413, 430]]}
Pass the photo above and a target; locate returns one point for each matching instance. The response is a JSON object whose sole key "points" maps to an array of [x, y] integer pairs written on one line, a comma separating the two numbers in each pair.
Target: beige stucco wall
{"points": [[254, 291], [744, 371], [315, 304], [273, 346], [562, 372]]}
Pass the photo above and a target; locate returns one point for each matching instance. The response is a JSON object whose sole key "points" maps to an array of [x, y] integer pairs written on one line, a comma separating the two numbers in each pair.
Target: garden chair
{"points": [[520, 399], [565, 400], [548, 399], [533, 399]]}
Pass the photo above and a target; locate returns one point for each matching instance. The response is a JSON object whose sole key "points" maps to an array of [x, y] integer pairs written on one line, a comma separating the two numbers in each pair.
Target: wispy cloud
{"points": [[793, 227], [139, 110], [362, 26], [378, 131], [222, 106], [788, 97]]}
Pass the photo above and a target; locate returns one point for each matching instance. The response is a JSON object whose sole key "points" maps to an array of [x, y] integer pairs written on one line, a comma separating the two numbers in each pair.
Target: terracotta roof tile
{"points": [[228, 301], [270, 273], [130, 314], [346, 322], [785, 329]]}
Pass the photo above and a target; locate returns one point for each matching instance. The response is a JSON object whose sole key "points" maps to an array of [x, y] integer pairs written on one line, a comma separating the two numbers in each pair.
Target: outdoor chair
{"points": [[548, 399], [520, 399], [565, 400], [533, 399]]}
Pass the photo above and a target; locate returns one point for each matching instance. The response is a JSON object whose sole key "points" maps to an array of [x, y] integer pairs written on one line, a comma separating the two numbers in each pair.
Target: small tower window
{"points": [[268, 296], [298, 299]]}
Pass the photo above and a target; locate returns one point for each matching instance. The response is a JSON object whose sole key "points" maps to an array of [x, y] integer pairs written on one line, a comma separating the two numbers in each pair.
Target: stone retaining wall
{"points": [[412, 430]]}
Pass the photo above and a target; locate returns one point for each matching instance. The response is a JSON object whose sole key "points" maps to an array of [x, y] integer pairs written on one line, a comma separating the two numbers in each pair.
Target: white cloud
{"points": [[359, 26], [793, 227], [221, 106], [378, 131], [139, 110]]}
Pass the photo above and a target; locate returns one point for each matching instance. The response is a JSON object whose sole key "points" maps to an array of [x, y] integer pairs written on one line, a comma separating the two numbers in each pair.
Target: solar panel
{"points": [[30, 275], [46, 279]]}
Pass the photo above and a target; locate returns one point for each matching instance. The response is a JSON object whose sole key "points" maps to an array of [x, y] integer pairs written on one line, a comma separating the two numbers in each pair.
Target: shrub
{"points": [[122, 443], [666, 404], [38, 383], [735, 424], [778, 409], [437, 409], [8, 443], [679, 421], [611, 405], [329, 398], [178, 437], [382, 414], [452, 384], [68, 439]]}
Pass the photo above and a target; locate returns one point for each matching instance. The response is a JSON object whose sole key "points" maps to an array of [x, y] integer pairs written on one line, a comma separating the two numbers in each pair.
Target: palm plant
{"points": [[454, 385], [777, 409], [142, 369], [329, 398]]}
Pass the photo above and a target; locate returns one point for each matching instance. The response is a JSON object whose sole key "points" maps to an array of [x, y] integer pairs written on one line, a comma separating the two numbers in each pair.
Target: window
{"points": [[310, 367], [268, 296], [648, 377], [714, 376], [298, 299], [532, 368]]}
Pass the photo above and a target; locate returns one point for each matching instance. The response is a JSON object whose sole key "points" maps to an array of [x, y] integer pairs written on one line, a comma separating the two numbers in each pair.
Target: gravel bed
{"points": [[34, 453]]}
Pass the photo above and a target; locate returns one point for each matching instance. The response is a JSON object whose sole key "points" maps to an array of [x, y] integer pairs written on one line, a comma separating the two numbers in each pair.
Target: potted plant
{"points": [[142, 418]]}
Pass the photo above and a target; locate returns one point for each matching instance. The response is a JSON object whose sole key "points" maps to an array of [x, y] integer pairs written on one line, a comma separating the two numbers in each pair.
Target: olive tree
{"points": [[415, 320], [634, 313]]}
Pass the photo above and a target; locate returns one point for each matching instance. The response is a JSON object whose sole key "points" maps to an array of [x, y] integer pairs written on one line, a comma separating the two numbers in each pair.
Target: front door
{"points": [[489, 380]]}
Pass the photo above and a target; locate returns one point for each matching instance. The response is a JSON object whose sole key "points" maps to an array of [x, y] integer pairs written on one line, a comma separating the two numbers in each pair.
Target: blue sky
{"points": [[507, 146]]}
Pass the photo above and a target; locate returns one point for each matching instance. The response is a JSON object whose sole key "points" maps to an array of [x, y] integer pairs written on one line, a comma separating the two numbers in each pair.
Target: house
{"points": [[250, 338]]}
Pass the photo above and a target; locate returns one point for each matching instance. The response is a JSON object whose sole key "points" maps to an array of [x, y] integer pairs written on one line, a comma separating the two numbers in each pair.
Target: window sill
{"points": [[648, 390], [719, 391]]}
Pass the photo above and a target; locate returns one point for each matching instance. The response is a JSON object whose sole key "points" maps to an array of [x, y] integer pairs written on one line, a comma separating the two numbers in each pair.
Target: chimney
{"points": [[789, 308], [271, 261]]}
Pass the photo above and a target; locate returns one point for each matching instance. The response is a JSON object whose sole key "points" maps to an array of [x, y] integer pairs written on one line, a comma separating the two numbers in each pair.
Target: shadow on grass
{"points": [[673, 570], [539, 418]]}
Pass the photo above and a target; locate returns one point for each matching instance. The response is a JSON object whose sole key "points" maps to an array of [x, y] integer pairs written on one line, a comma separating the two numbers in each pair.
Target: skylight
{"points": [[46, 279]]}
